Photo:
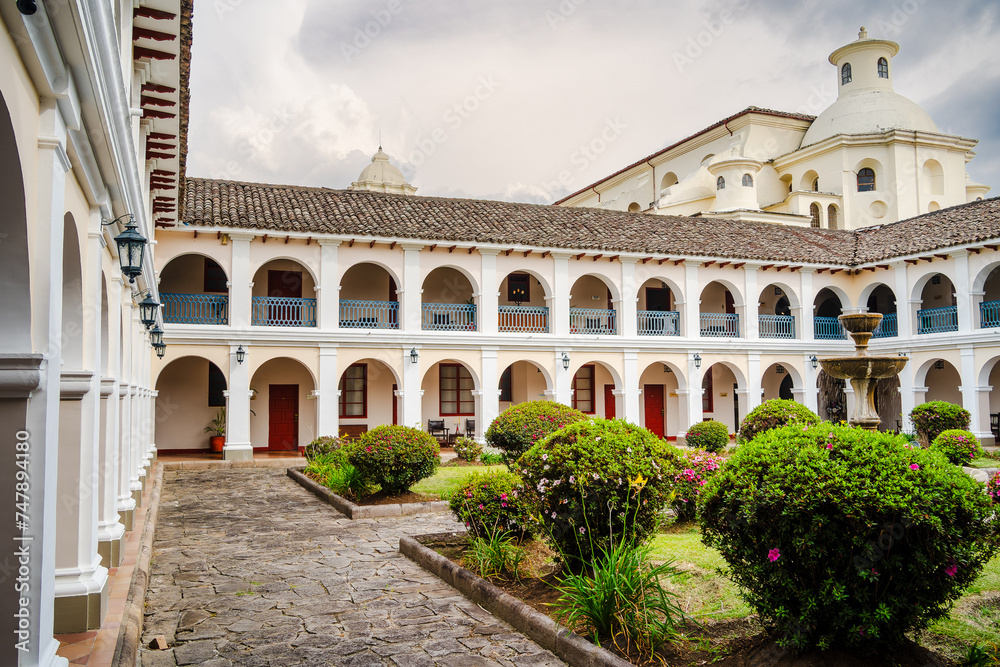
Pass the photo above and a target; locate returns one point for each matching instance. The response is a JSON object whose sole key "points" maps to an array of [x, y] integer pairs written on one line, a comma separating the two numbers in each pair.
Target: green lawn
{"points": [[985, 463], [444, 482]]}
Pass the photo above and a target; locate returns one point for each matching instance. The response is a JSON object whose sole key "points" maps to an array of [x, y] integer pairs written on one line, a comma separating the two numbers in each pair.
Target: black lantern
{"points": [[565, 360], [131, 245], [160, 349], [156, 335], [414, 355], [147, 311], [241, 354], [814, 361], [697, 360]]}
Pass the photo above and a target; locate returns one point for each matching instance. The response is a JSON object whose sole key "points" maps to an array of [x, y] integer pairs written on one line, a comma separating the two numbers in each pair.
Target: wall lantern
{"points": [[814, 361], [779, 369], [131, 246], [697, 360], [414, 355], [160, 349], [565, 360], [156, 335], [147, 310], [241, 354], [939, 364]]}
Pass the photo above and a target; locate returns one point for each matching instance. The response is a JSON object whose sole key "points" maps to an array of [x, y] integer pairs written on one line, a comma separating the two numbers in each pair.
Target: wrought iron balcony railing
{"points": [[195, 308], [369, 314], [282, 311]]}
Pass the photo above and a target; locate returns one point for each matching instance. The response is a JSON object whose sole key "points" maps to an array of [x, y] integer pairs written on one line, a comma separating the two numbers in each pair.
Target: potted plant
{"points": [[217, 427]]}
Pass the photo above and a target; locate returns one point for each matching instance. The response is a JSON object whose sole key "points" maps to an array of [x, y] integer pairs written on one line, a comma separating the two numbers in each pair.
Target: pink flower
{"points": [[480, 506], [914, 466], [773, 555], [952, 569], [829, 445]]}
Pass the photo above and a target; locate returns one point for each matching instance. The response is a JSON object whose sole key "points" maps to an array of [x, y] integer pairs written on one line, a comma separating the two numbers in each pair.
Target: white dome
{"points": [[868, 111], [382, 176]]}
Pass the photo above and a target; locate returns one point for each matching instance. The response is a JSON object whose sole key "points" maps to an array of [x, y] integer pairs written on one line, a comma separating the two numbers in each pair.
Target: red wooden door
{"points": [[653, 399], [395, 406], [283, 417], [609, 401]]}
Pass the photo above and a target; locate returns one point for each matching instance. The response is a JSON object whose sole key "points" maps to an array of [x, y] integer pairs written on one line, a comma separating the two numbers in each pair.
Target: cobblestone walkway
{"points": [[251, 569]]}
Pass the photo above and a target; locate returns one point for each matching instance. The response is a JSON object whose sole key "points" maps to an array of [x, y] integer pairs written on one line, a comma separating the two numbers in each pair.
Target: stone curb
{"points": [[130, 635], [353, 511], [211, 465], [548, 634]]}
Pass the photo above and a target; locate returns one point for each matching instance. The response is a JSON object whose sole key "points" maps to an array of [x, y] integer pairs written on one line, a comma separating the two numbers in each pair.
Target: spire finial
{"points": [[863, 34], [380, 138]]}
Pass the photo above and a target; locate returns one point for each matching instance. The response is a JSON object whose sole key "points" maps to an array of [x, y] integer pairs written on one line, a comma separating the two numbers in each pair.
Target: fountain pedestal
{"points": [[863, 371]]}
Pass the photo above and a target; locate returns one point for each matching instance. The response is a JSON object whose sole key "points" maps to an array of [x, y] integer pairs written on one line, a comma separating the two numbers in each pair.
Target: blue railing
{"points": [[659, 323], [777, 326], [527, 319], [887, 328], [448, 316], [195, 308], [369, 314], [937, 320], [720, 325], [592, 321], [282, 311], [989, 314], [828, 328]]}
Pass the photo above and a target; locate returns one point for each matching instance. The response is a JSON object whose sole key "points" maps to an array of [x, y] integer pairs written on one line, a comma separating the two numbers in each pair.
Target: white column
{"points": [[411, 413], [630, 390], [969, 389], [489, 299], [327, 403], [754, 385], [563, 378], [684, 399], [559, 301], [328, 291], [139, 357], [964, 300], [410, 291], [982, 427], [810, 392], [804, 324], [125, 502], [240, 282], [490, 401], [694, 394], [137, 472], [630, 300], [751, 297], [692, 309], [904, 316], [110, 530], [238, 446]]}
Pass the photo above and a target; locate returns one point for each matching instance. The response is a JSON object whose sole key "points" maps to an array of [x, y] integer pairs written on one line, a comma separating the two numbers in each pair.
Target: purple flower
{"points": [[952, 569], [914, 466], [773, 554]]}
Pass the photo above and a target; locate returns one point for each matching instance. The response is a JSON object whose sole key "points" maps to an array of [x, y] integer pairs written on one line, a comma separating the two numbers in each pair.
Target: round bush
{"points": [[710, 436], [694, 470], [395, 457], [492, 501], [520, 426], [993, 487], [930, 419], [468, 449], [772, 414], [958, 446], [844, 537], [594, 483], [322, 445]]}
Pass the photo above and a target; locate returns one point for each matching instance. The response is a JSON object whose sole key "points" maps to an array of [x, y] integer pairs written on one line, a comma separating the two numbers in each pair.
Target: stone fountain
{"points": [[862, 370]]}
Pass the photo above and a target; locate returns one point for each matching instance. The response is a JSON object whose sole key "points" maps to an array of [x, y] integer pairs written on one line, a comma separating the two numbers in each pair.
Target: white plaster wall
{"points": [[182, 410], [942, 385], [260, 277], [367, 282], [723, 380], [171, 244]]}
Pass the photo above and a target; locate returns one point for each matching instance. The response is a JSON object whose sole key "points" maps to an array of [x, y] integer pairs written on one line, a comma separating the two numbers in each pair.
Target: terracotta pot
{"points": [[217, 442]]}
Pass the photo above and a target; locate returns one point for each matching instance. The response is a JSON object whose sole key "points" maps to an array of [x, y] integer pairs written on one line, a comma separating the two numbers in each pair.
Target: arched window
{"points": [[845, 74], [816, 185], [720, 184], [866, 180], [831, 216], [634, 207], [814, 215], [883, 68], [747, 181]]}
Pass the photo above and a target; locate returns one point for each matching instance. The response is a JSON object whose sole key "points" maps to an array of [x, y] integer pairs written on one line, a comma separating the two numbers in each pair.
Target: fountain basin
{"points": [[860, 322], [848, 368]]}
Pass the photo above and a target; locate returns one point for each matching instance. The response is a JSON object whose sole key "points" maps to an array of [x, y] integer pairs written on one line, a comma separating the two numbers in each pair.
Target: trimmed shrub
{"points": [[334, 472], [710, 436], [468, 449], [930, 419], [993, 487], [491, 459], [596, 482], [520, 426], [322, 445], [958, 446], [694, 471], [492, 502], [773, 414], [841, 537], [395, 457]]}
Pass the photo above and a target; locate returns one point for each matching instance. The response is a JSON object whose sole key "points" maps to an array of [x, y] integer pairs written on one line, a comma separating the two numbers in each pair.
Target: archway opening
{"points": [[284, 295], [190, 393], [368, 298], [719, 397], [285, 418], [194, 290], [522, 304], [718, 312], [449, 404], [448, 301], [660, 409], [989, 309], [657, 313], [774, 313], [777, 382], [943, 382], [882, 300], [832, 403], [367, 398], [938, 306], [520, 382], [828, 307], [591, 307], [593, 390]]}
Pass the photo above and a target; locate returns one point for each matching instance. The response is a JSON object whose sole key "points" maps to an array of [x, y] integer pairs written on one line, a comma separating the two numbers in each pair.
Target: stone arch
{"points": [[729, 409], [72, 297], [865, 298], [366, 395], [716, 309], [519, 382], [808, 180], [875, 166], [281, 370], [942, 380], [381, 265], [787, 290], [776, 376], [542, 282], [669, 179], [837, 291], [932, 174], [603, 372], [662, 401], [255, 270], [15, 267], [187, 400], [832, 216]]}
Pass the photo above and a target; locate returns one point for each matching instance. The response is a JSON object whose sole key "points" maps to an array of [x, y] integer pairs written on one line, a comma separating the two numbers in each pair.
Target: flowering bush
{"points": [[844, 537], [322, 445], [694, 470], [993, 487], [931, 418], [710, 436], [520, 426], [958, 446], [490, 502], [467, 449], [598, 482], [395, 457], [772, 414]]}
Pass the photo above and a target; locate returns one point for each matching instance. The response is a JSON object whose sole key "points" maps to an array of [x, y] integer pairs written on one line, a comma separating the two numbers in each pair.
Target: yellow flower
{"points": [[639, 481]]}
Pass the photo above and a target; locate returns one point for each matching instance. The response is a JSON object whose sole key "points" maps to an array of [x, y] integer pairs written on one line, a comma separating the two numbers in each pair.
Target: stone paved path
{"points": [[251, 569]]}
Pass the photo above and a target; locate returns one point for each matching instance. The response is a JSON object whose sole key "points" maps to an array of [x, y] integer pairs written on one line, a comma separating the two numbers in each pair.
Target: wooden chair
{"points": [[995, 425], [470, 428], [436, 428]]}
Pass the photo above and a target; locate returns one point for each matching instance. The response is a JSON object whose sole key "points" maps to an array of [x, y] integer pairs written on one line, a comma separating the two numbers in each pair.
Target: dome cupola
{"points": [[382, 176]]}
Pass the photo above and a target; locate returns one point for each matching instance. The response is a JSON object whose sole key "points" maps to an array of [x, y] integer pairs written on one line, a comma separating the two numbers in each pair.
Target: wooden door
{"points": [[283, 417], [609, 401], [395, 406], [653, 399]]}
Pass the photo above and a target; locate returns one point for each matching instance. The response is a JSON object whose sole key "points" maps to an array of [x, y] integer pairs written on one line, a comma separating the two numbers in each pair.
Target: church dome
{"points": [[382, 176], [867, 112]]}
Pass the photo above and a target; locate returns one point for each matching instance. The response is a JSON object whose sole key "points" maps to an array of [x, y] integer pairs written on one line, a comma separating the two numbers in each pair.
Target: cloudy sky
{"points": [[496, 99]]}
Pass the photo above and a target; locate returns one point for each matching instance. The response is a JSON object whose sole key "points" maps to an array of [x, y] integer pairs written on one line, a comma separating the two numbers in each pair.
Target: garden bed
{"points": [[385, 507]]}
